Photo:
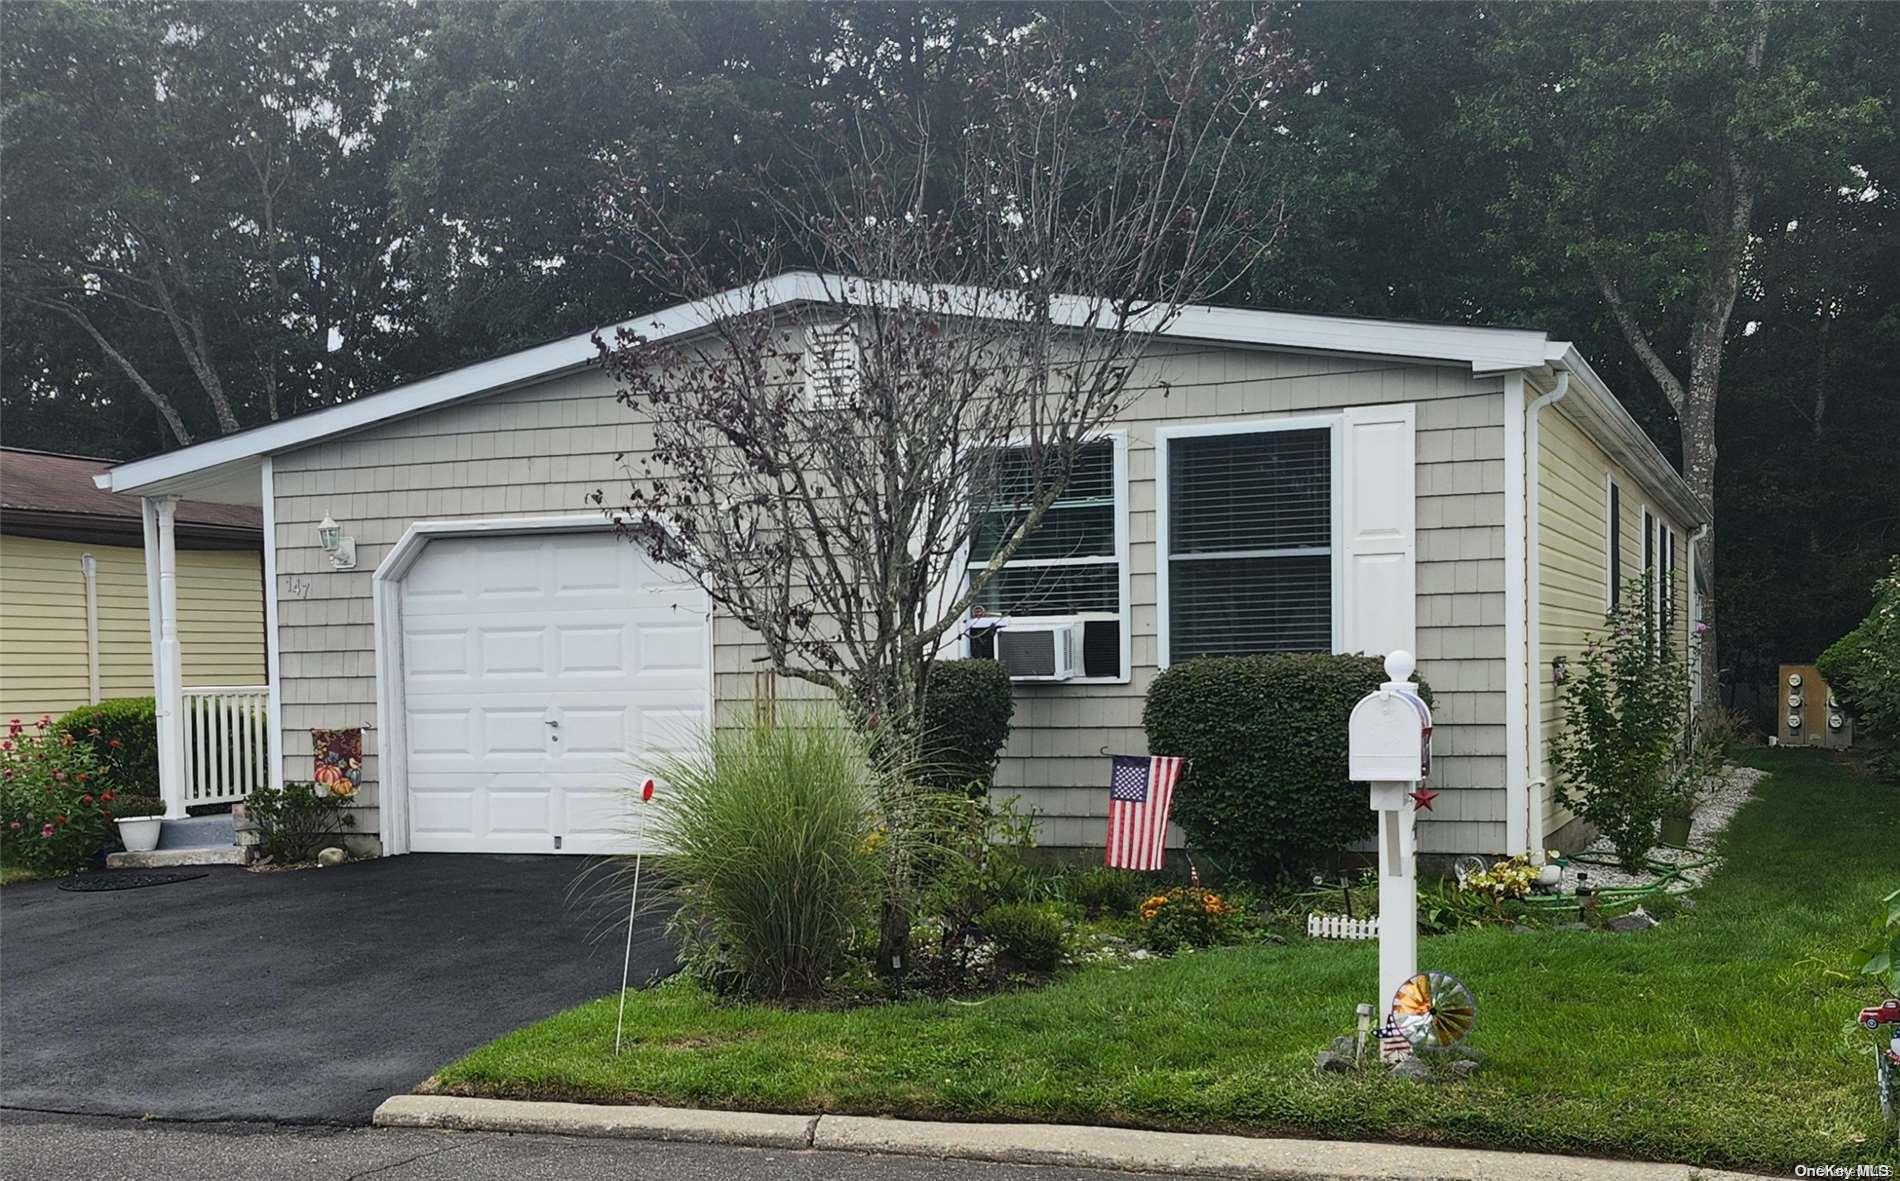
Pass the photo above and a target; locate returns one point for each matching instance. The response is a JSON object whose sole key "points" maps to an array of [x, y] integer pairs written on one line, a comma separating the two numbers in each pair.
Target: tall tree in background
{"points": [[1642, 141], [829, 496], [194, 202]]}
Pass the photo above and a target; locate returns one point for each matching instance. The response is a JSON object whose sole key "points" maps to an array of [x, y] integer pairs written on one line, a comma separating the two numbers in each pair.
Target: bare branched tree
{"points": [[970, 321]]}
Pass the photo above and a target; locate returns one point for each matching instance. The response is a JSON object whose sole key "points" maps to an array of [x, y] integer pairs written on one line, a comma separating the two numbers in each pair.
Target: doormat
{"points": [[89, 883]]}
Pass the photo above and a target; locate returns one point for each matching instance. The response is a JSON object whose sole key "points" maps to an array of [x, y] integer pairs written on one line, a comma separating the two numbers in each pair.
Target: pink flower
{"points": [[15, 826], [46, 832]]}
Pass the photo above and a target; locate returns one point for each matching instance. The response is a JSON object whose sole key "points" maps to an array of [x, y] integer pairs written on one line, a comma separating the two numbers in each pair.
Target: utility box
{"points": [[1808, 713]]}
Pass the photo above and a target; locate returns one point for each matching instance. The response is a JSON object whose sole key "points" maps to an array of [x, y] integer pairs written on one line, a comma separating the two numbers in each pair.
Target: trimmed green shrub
{"points": [[1266, 793], [1188, 916], [1026, 933], [1625, 755], [1100, 890], [1863, 670], [123, 731], [965, 724], [774, 850], [299, 820]]}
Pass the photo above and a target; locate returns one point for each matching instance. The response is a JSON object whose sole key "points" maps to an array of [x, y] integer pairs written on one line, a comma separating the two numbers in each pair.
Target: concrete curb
{"points": [[1069, 1145]]}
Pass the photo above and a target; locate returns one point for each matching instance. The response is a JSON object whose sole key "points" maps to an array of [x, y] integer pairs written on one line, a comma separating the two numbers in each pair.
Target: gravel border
{"points": [[1734, 787]]}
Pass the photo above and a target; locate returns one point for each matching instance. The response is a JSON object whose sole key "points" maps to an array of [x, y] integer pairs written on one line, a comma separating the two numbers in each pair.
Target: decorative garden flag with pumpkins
{"points": [[339, 759]]}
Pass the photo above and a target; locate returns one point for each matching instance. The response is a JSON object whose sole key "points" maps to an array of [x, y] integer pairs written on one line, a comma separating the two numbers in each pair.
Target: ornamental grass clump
{"points": [[773, 846]]}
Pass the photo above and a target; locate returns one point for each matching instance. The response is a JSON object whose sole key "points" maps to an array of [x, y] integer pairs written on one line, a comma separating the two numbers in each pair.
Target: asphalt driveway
{"points": [[302, 996]]}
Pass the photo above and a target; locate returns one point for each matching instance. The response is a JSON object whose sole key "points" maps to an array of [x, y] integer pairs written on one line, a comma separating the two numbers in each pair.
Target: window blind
{"points": [[1068, 565], [1250, 565]]}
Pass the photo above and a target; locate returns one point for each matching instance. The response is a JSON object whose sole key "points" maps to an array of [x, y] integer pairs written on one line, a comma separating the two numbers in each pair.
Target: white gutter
{"points": [[1610, 425], [1534, 599]]}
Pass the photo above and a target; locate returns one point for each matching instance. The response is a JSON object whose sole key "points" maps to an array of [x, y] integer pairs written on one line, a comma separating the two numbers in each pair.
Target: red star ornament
{"points": [[1422, 798]]}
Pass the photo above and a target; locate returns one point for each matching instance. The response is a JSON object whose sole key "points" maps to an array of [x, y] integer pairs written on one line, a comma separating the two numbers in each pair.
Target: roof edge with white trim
{"points": [[1486, 350]]}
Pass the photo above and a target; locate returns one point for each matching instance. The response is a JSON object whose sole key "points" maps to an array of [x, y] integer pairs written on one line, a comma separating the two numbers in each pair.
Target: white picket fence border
{"points": [[1338, 926]]}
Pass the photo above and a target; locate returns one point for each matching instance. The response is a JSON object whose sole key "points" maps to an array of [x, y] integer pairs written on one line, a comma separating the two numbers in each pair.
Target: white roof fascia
{"points": [[1610, 425], [1486, 350]]}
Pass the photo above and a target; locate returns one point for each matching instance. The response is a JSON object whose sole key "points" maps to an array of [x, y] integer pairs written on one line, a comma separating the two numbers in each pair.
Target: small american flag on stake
{"points": [[1140, 790]]}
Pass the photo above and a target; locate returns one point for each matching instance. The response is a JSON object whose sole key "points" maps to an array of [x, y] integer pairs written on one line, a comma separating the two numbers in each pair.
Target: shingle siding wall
{"points": [[541, 450], [1572, 553]]}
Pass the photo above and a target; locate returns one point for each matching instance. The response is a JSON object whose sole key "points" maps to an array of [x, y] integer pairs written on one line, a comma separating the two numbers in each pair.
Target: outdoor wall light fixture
{"points": [[342, 550]]}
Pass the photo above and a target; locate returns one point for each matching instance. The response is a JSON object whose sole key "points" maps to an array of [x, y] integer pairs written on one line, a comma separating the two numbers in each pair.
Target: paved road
{"points": [[294, 997], [71, 1148]]}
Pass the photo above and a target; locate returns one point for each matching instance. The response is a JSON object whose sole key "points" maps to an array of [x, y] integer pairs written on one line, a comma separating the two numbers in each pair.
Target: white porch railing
{"points": [[227, 742]]}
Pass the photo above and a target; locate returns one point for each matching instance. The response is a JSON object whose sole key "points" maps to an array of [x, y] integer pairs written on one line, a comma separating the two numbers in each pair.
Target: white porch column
{"points": [[167, 671]]}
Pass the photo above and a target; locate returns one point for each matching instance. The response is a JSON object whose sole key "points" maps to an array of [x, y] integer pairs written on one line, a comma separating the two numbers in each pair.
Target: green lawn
{"points": [[1719, 1038]]}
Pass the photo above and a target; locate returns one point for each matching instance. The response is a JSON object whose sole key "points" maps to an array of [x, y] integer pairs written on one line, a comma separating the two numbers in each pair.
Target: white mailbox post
{"points": [[1391, 748]]}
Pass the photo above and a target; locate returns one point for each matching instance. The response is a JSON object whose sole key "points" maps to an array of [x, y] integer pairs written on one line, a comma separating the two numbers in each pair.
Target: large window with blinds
{"points": [[1074, 565], [1248, 540]]}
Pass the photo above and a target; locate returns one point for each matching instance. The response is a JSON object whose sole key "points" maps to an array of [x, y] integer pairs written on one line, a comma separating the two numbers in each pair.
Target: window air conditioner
{"points": [[1037, 652]]}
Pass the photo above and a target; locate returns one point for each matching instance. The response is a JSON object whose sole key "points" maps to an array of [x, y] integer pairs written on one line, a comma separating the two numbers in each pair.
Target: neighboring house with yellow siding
{"points": [[75, 619]]}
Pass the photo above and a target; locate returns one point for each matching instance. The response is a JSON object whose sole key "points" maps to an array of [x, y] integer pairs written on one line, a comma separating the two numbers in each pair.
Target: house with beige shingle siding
{"points": [[75, 618], [511, 661]]}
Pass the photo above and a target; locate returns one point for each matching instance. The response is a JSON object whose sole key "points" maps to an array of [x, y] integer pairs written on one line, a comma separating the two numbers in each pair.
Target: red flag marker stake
{"points": [[633, 909]]}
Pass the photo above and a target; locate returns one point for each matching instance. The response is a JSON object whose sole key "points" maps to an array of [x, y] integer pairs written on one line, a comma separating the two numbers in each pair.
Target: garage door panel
{"points": [[510, 633], [442, 812], [590, 648], [519, 812], [670, 730], [599, 812], [599, 730], [582, 571], [506, 732], [665, 647], [439, 732], [513, 651], [436, 652]]}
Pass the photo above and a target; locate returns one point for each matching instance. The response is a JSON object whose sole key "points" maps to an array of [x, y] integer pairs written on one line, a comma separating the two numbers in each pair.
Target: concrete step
{"points": [[197, 832], [173, 858]]}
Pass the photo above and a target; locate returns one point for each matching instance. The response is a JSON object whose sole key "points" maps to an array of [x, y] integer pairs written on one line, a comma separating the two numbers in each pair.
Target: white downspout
{"points": [[89, 570], [1516, 773], [1534, 596]]}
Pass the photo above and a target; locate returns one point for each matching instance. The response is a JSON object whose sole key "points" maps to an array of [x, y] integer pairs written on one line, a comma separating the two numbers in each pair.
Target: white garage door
{"points": [[540, 675]]}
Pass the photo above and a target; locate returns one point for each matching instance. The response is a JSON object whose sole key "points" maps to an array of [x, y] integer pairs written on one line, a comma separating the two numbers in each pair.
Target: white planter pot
{"points": [[1550, 874], [140, 833]]}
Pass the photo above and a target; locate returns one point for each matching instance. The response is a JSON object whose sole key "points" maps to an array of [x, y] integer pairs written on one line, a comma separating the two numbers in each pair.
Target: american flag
{"points": [[1140, 789]]}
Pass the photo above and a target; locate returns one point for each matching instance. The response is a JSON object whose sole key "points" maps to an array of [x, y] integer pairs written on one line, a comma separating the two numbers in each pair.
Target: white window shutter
{"points": [[1379, 507]]}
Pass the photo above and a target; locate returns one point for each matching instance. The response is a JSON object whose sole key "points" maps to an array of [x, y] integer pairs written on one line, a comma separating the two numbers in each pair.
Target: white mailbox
{"points": [[1390, 748], [1390, 734]]}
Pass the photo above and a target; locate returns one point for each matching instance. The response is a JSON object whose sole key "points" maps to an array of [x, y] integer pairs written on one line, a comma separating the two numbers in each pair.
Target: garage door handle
{"points": [[552, 722]]}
